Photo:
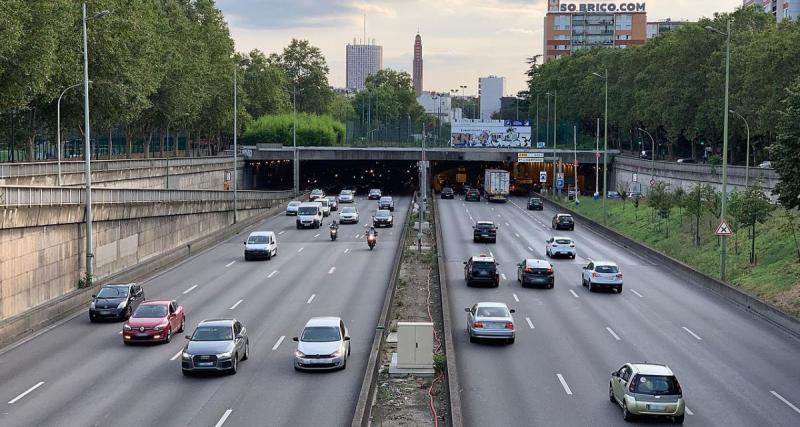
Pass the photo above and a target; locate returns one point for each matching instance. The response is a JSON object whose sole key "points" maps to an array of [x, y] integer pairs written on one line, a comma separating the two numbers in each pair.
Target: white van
{"points": [[309, 214], [326, 206], [260, 244]]}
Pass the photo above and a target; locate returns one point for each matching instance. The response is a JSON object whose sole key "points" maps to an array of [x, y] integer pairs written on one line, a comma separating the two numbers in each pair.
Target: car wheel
{"points": [[611, 394], [471, 338], [246, 354], [269, 256], [298, 226], [511, 340], [183, 325], [126, 342], [572, 228], [344, 363], [552, 285], [128, 313], [246, 258], [276, 252], [234, 364], [186, 373], [169, 336], [92, 319], [619, 290], [678, 419], [626, 415], [474, 240], [591, 288]]}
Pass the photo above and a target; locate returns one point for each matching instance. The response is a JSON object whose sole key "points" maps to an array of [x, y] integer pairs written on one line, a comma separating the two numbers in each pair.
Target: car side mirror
{"points": [[347, 338], [615, 374], [95, 296], [585, 267], [239, 336], [244, 243], [465, 263], [467, 310], [512, 310], [295, 339], [188, 337]]}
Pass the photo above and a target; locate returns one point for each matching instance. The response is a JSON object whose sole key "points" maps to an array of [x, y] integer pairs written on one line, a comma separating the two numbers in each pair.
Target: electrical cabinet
{"points": [[415, 345]]}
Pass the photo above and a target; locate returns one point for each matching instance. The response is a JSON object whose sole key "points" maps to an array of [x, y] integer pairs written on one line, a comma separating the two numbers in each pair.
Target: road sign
{"points": [[560, 181], [636, 177], [227, 175], [530, 160], [542, 176], [724, 230], [526, 154], [652, 182], [540, 144]]}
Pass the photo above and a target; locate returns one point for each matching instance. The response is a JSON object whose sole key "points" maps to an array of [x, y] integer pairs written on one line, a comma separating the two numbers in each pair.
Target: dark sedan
{"points": [[215, 346], [382, 218], [448, 193], [535, 204], [563, 222], [115, 301], [473, 195], [536, 272]]}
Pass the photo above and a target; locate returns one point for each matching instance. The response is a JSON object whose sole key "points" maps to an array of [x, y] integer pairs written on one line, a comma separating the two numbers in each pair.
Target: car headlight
{"points": [[91, 306], [160, 327], [299, 353], [122, 304], [126, 327], [336, 353], [225, 355], [186, 355]]}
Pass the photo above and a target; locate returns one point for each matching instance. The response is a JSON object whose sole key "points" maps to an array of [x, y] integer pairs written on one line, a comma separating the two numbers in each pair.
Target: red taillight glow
{"points": [[478, 325], [550, 270], [632, 386], [509, 325], [619, 275], [595, 274], [572, 245], [529, 270]]}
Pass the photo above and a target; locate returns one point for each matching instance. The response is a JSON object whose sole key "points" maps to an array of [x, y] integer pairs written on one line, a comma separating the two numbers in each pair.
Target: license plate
{"points": [[205, 364], [141, 335], [105, 312], [656, 407]]}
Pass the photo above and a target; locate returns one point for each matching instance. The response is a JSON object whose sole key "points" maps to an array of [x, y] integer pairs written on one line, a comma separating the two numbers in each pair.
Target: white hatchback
{"points": [[560, 246]]}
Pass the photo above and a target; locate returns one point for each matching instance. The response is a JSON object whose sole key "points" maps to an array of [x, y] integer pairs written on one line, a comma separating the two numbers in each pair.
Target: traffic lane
{"points": [[353, 291], [708, 368]]}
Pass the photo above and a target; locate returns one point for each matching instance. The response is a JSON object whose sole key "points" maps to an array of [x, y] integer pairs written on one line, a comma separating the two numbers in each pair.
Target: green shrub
{"points": [[312, 130]]}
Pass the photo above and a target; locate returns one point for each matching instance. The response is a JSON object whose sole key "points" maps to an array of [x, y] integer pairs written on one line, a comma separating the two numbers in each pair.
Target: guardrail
{"points": [[11, 170], [18, 196]]}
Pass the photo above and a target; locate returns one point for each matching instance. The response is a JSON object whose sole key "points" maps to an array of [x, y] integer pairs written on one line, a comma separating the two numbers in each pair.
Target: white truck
{"points": [[496, 185]]}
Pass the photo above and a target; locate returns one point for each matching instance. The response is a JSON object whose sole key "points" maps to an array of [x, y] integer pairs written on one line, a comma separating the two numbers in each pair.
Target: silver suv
{"points": [[217, 345], [647, 389]]}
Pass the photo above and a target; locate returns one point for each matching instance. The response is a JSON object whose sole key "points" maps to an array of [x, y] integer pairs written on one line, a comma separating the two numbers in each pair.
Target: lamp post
{"points": [[88, 146], [58, 127], [747, 155], [463, 94], [605, 146], [296, 166], [597, 160], [653, 157], [547, 138], [235, 148], [723, 243]]}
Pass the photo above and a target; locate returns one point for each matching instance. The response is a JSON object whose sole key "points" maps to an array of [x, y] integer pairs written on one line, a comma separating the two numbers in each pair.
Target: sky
{"points": [[461, 39]]}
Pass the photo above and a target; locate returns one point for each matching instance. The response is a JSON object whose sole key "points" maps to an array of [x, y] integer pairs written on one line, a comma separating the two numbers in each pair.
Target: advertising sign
{"points": [[491, 133], [602, 7]]}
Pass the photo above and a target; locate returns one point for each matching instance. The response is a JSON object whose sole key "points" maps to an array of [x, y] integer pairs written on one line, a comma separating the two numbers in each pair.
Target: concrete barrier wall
{"points": [[42, 248]]}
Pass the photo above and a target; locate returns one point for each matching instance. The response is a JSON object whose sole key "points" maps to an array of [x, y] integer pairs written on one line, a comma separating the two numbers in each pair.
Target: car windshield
{"points": [[348, 210], [294, 204], [150, 311], [447, 190], [656, 384], [563, 241], [316, 192], [307, 210], [345, 193], [492, 312], [374, 191], [382, 214], [258, 240], [535, 201], [565, 218], [112, 292], [485, 225], [606, 269], [213, 333], [386, 199], [320, 334], [483, 265]]}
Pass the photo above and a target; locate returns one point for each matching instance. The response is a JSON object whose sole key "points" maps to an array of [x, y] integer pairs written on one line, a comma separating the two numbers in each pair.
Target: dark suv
{"points": [[563, 222], [447, 193], [481, 269], [386, 202], [115, 301], [485, 231], [473, 195], [535, 204]]}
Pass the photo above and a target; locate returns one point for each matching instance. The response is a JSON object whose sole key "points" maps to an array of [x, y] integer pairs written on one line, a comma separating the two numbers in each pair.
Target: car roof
{"points": [[482, 258], [383, 211], [651, 369], [118, 285], [307, 204], [156, 302], [386, 197], [491, 304], [323, 321], [562, 237], [295, 202], [216, 322], [316, 190], [374, 189], [261, 233], [563, 215], [349, 208], [605, 263], [484, 222]]}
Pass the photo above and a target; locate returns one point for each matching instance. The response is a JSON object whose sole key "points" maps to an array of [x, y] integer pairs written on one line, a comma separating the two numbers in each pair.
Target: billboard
{"points": [[491, 133]]}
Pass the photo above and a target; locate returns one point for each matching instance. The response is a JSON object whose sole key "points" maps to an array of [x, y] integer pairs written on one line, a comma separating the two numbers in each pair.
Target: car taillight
{"points": [[550, 270], [509, 325], [619, 275], [680, 391], [555, 245], [493, 229], [594, 274], [529, 270], [477, 325], [572, 245], [632, 385]]}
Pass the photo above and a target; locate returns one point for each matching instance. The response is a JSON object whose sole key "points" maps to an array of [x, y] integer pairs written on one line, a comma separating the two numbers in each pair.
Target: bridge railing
{"points": [[9, 170], [18, 196]]}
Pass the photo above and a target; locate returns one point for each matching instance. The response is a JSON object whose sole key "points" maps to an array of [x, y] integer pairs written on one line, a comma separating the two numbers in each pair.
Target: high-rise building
{"points": [[417, 65], [569, 27], [664, 26], [363, 60], [490, 90], [780, 9]]}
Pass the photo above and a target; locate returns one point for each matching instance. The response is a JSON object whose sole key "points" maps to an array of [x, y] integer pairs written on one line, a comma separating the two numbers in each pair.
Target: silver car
{"points": [[291, 208], [602, 274], [647, 389], [346, 196], [490, 320], [217, 345], [333, 201], [348, 215], [560, 246], [324, 344]]}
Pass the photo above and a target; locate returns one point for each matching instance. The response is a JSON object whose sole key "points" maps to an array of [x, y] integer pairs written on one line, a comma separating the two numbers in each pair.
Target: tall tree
{"points": [[264, 84], [785, 153], [307, 70], [754, 208]]}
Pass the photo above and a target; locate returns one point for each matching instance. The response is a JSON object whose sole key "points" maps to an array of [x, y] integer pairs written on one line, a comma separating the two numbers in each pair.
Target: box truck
{"points": [[496, 185]]}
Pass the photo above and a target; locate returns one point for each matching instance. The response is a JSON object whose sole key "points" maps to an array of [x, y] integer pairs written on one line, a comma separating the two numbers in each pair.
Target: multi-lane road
{"points": [[735, 370], [80, 374]]}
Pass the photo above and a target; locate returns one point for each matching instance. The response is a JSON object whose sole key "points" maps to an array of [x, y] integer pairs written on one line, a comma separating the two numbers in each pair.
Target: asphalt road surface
{"points": [[735, 369], [81, 374]]}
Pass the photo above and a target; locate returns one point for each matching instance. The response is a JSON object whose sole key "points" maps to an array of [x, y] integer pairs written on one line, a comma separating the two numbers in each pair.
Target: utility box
{"points": [[415, 345]]}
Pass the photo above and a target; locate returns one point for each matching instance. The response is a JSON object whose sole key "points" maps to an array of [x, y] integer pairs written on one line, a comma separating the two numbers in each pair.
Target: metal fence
{"points": [[17, 196], [9, 170]]}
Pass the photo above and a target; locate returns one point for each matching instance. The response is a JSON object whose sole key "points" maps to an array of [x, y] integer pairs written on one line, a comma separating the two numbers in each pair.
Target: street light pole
{"points": [[597, 159], [575, 163], [296, 168], [235, 132], [605, 147], [747, 155], [653, 157], [58, 127]]}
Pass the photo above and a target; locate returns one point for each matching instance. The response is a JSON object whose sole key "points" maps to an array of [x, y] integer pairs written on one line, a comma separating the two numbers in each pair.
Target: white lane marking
{"points": [[177, 355], [278, 344], [25, 393], [281, 232], [688, 411], [691, 333], [120, 332], [573, 293], [316, 235], [613, 334], [491, 253], [224, 418], [271, 275], [300, 250], [530, 248], [503, 276], [516, 235], [189, 290], [347, 250], [331, 270], [311, 299], [528, 319], [516, 298], [357, 236], [637, 293], [230, 264], [233, 307], [508, 225], [564, 384], [795, 408]]}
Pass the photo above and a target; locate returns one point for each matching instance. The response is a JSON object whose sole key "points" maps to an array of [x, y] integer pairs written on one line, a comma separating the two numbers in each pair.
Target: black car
{"points": [[535, 272], [535, 204], [448, 193], [481, 270], [382, 218], [485, 231], [473, 195], [563, 222], [386, 202], [115, 301]]}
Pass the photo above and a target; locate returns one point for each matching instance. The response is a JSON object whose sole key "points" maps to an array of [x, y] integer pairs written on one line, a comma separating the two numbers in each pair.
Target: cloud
{"points": [[284, 14], [518, 31]]}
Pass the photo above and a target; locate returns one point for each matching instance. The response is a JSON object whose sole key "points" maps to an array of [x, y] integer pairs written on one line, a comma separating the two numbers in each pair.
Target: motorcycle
{"points": [[334, 232], [372, 239]]}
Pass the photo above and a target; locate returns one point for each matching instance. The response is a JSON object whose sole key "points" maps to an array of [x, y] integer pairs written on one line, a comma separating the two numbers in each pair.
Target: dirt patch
{"points": [[405, 401]]}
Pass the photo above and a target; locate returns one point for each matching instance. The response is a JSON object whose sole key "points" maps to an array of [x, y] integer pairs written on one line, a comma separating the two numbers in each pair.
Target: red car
{"points": [[154, 321]]}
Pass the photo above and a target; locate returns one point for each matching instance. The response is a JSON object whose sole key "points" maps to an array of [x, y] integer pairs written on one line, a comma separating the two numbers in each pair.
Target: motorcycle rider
{"points": [[372, 236]]}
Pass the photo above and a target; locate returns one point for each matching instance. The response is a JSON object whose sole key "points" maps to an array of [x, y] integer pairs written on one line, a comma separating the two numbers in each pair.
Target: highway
{"points": [[80, 374], [735, 369]]}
